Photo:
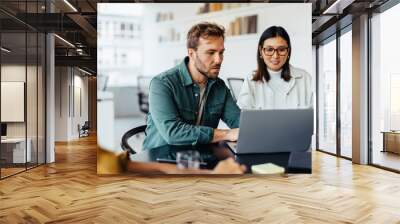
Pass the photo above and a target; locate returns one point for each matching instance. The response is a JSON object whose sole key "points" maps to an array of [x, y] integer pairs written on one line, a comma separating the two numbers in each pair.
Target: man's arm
{"points": [[169, 122], [230, 115], [225, 135]]}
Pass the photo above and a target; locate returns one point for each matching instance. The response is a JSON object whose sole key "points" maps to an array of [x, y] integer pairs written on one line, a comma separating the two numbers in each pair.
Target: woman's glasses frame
{"points": [[281, 51]]}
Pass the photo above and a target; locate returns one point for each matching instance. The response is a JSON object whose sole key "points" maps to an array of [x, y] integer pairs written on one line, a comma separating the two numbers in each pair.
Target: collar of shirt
{"points": [[186, 79], [275, 75], [294, 75]]}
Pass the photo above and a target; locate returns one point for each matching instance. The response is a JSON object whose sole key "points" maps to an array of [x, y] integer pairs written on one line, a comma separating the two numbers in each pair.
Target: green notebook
{"points": [[267, 168]]}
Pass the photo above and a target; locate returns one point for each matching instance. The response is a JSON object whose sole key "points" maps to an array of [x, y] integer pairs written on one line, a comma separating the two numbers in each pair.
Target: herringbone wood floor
{"points": [[70, 191]]}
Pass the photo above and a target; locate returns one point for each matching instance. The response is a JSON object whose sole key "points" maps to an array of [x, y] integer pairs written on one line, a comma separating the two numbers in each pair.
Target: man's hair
{"points": [[204, 30]]}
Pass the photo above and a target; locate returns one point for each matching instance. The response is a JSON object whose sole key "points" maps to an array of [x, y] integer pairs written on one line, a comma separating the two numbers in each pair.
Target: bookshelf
{"points": [[237, 18]]}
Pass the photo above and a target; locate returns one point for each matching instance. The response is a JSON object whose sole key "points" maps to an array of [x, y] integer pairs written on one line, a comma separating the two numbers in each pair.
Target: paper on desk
{"points": [[267, 168]]}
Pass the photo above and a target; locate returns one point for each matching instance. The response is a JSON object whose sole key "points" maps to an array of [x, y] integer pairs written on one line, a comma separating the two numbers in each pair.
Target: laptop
{"points": [[272, 131]]}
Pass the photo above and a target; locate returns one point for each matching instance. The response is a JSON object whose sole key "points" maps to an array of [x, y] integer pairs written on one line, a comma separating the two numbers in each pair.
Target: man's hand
{"points": [[229, 166], [225, 135]]}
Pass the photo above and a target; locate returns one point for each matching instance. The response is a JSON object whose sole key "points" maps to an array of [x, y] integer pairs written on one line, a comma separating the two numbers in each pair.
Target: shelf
{"points": [[217, 14], [248, 36], [235, 25]]}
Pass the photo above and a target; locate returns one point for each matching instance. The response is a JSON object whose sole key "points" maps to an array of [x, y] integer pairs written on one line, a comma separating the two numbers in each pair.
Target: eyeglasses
{"points": [[269, 51]]}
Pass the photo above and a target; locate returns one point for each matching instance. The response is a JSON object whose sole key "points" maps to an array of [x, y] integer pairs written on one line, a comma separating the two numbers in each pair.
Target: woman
{"points": [[275, 84]]}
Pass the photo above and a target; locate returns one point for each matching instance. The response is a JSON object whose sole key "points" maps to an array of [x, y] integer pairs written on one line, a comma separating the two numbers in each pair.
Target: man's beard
{"points": [[199, 65]]}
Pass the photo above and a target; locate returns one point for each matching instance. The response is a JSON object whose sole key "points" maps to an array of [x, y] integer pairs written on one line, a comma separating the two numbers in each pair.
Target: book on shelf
{"points": [[244, 25], [219, 7], [252, 25], [213, 7], [236, 27], [164, 16], [206, 8]]}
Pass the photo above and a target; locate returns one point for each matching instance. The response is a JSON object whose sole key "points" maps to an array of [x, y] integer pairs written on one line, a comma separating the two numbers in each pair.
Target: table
{"points": [[293, 162]]}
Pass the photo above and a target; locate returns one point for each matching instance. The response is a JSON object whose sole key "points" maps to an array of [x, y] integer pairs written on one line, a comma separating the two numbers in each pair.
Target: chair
{"points": [[235, 84], [84, 130], [125, 144], [143, 102], [143, 83]]}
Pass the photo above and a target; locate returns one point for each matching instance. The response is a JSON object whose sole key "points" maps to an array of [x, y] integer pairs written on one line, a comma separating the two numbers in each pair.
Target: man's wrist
{"points": [[220, 135]]}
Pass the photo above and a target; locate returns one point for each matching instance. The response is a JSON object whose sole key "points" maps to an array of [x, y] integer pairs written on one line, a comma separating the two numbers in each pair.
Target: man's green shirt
{"points": [[173, 109]]}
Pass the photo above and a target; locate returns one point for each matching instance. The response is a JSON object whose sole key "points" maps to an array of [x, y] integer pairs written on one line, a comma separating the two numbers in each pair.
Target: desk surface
{"points": [[293, 162]]}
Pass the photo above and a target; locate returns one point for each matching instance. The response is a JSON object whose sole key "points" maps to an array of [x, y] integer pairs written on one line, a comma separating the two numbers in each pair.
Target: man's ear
{"points": [[191, 52]]}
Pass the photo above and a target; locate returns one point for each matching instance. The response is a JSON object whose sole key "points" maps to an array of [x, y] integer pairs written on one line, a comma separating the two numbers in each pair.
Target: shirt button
{"points": [[196, 94]]}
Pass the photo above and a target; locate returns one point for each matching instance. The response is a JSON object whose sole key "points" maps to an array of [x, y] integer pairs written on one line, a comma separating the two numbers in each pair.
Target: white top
{"points": [[277, 93]]}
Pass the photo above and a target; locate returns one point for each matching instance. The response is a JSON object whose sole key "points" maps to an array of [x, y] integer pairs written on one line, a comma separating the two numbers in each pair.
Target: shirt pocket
{"points": [[188, 115]]}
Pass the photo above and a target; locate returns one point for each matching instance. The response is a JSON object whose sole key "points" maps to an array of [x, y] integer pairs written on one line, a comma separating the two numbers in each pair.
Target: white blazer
{"points": [[259, 95]]}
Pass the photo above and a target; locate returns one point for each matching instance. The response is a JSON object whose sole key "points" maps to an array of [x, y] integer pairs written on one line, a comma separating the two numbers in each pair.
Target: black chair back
{"points": [[143, 83], [86, 125], [124, 140]]}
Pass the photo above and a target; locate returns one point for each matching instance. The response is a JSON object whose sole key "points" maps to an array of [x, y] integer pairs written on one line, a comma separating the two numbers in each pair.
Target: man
{"points": [[187, 101]]}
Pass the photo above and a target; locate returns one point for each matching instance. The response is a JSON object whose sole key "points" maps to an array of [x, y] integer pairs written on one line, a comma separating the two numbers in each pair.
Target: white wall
{"points": [[70, 84], [33, 125], [12, 101], [80, 108], [61, 103], [240, 55], [16, 73]]}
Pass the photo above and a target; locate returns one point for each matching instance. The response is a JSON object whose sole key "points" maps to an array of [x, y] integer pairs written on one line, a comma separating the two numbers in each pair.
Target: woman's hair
{"points": [[262, 72]]}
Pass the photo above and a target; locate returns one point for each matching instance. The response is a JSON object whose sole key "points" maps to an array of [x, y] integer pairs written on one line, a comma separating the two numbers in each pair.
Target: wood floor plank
{"points": [[70, 191]]}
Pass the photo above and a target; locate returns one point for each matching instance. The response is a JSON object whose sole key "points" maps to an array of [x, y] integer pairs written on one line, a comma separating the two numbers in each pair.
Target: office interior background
{"points": [[51, 85], [49, 80], [47, 92], [152, 38]]}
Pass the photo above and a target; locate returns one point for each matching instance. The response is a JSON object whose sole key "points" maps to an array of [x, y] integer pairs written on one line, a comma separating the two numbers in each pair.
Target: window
{"points": [[123, 58], [346, 94], [22, 65], [120, 61], [327, 96], [385, 86]]}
